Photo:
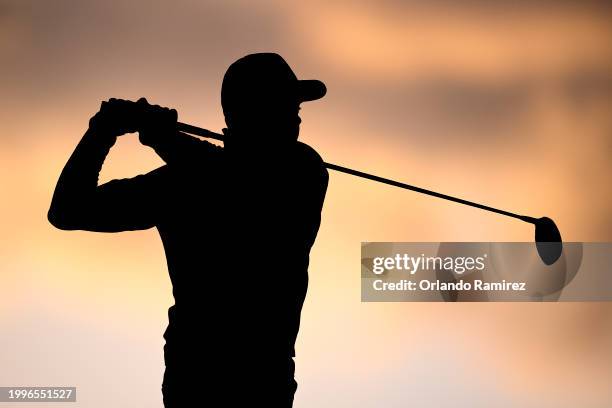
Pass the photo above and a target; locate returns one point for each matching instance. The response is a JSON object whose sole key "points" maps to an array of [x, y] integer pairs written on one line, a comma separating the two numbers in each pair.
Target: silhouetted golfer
{"points": [[237, 224]]}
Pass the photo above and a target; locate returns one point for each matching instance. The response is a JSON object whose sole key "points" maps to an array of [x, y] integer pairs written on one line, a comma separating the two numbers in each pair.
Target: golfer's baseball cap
{"points": [[257, 78]]}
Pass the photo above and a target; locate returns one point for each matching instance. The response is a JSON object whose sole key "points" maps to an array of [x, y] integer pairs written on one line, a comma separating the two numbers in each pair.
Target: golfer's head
{"points": [[261, 99]]}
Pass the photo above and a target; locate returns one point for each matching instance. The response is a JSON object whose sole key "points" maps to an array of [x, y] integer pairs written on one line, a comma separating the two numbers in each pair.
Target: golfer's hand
{"points": [[158, 123], [116, 117]]}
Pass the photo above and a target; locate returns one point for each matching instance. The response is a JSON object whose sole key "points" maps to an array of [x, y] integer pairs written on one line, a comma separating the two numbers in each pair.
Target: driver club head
{"points": [[548, 240]]}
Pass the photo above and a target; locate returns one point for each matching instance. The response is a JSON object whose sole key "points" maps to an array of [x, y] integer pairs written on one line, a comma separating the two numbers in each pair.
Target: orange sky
{"points": [[508, 106]]}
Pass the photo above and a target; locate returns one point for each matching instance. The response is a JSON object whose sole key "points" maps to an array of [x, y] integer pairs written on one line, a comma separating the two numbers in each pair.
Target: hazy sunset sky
{"points": [[508, 105]]}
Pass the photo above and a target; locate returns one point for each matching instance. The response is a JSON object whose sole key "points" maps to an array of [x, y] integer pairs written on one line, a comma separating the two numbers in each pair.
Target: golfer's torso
{"points": [[239, 274]]}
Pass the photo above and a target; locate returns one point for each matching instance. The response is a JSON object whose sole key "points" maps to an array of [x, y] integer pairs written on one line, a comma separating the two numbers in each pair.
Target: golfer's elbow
{"points": [[61, 219], [65, 215]]}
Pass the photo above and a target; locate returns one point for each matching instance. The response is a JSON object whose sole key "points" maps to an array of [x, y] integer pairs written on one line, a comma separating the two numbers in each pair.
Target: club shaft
{"points": [[194, 130]]}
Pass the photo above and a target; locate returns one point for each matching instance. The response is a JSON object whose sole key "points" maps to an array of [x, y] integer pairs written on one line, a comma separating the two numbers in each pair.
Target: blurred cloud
{"points": [[507, 103]]}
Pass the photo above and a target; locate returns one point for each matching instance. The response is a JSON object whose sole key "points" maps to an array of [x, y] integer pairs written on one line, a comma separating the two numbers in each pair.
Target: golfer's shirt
{"points": [[237, 236]]}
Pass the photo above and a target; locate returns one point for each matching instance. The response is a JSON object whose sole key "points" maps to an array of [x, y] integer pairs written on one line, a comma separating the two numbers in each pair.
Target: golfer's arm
{"points": [[80, 204]]}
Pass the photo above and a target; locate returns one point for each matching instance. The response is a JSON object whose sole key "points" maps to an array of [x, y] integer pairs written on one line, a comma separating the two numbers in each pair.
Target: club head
{"points": [[548, 240]]}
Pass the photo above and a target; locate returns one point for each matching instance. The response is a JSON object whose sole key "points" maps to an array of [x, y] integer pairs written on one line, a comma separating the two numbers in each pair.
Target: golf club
{"points": [[547, 235]]}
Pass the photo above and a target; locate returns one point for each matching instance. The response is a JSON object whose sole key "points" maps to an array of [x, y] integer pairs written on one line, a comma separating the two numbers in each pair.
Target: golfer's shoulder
{"points": [[309, 156]]}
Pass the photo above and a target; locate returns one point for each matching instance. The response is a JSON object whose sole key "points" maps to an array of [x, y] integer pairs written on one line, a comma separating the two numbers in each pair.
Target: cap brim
{"points": [[311, 90]]}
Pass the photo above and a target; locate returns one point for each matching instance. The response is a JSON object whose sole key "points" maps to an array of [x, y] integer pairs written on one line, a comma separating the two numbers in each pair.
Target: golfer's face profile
{"points": [[277, 122], [283, 120]]}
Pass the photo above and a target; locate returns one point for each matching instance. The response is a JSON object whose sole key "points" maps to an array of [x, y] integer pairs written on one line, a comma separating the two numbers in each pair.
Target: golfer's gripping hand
{"points": [[118, 116]]}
